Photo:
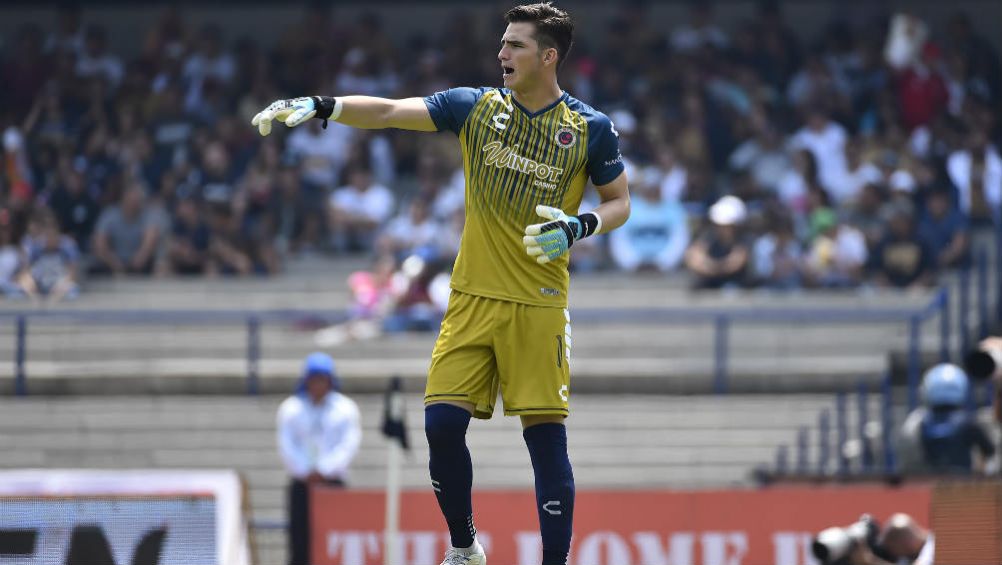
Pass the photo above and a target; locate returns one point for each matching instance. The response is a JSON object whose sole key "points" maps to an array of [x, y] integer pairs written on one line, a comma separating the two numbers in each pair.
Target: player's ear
{"points": [[549, 56]]}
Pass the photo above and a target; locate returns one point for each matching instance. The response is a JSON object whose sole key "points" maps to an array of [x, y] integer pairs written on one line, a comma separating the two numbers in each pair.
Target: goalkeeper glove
{"points": [[550, 240], [295, 111]]}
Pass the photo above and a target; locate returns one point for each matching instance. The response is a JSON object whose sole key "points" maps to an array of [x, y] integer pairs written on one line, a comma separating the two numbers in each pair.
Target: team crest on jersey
{"points": [[566, 138]]}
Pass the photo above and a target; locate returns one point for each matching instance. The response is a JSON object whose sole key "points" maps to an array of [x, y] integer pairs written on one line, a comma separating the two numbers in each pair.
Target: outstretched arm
{"points": [[365, 112], [368, 112]]}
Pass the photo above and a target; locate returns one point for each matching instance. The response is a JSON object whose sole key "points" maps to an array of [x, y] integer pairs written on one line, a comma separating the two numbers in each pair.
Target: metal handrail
{"points": [[721, 318]]}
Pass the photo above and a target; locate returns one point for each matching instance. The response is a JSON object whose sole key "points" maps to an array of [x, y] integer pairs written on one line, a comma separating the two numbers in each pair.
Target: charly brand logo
{"points": [[499, 121], [503, 157], [566, 138]]}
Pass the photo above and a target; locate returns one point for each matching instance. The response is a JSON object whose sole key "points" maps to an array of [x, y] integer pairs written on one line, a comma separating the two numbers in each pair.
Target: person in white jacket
{"points": [[318, 436]]}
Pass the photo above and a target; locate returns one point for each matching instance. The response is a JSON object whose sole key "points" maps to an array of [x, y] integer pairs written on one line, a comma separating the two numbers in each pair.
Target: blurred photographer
{"points": [[911, 544], [940, 437], [900, 542], [986, 363]]}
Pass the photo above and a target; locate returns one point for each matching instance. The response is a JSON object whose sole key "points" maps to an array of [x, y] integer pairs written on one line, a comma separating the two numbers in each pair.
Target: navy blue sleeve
{"points": [[450, 108], [605, 163]]}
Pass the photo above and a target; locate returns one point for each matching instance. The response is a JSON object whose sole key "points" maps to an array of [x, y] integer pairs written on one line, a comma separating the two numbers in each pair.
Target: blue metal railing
{"points": [[873, 457], [886, 457], [722, 319]]}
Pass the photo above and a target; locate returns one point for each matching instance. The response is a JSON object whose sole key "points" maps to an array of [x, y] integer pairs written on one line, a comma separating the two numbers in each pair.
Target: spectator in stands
{"points": [[51, 261], [941, 436], [976, 171], [719, 257], [826, 140], [10, 257], [230, 251], [357, 211], [95, 61], [321, 154], [946, 229], [837, 254], [799, 180], [289, 211], [411, 231], [859, 174], [657, 233], [75, 209], [16, 174], [126, 237], [415, 308], [865, 214], [69, 34], [208, 66], [979, 53], [674, 179], [776, 256], [24, 70], [319, 433], [815, 85], [699, 32], [172, 117], [763, 156], [903, 259], [188, 248], [374, 293]]}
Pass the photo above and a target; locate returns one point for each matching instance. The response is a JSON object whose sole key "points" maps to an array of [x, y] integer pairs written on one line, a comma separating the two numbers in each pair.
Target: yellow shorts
{"points": [[487, 345]]}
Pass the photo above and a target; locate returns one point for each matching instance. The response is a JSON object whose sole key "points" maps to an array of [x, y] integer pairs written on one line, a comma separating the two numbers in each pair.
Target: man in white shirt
{"points": [[358, 210], [826, 140], [318, 436]]}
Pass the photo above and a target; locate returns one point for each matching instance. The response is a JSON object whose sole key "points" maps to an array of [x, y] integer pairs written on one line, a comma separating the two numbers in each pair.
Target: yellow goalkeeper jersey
{"points": [[513, 160]]}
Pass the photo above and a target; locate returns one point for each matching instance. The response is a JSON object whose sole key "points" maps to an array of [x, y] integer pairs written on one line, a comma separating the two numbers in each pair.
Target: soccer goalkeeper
{"points": [[528, 150]]}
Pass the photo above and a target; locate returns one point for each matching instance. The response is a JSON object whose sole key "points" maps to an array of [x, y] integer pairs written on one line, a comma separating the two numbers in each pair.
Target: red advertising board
{"points": [[734, 527]]}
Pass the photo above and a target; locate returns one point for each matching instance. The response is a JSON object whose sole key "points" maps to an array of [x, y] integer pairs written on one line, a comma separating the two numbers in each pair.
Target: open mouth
{"points": [[507, 71]]}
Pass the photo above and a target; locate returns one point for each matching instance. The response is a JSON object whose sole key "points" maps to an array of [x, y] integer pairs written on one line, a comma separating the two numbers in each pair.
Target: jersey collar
{"points": [[541, 111]]}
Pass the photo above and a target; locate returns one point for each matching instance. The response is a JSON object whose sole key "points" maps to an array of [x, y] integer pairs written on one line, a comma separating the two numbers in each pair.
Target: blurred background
{"points": [[817, 200]]}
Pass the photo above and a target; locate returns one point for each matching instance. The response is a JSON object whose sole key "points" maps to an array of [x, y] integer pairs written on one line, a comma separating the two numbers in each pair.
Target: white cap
{"points": [[728, 211], [902, 180]]}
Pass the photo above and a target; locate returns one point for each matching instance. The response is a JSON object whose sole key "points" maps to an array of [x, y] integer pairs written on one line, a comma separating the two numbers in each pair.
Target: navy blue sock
{"points": [[451, 469], [554, 488]]}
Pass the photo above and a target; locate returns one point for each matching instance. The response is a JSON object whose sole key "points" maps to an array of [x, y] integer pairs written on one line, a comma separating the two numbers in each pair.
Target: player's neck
{"points": [[538, 96]]}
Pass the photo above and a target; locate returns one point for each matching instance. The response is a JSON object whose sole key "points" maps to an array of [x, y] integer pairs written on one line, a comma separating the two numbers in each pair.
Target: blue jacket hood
{"points": [[318, 364]]}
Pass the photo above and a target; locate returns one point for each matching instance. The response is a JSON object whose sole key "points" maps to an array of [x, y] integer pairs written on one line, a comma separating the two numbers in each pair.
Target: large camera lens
{"points": [[979, 364], [820, 551]]}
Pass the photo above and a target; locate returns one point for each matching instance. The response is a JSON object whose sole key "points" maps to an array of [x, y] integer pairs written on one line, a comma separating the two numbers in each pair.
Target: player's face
{"points": [[521, 57]]}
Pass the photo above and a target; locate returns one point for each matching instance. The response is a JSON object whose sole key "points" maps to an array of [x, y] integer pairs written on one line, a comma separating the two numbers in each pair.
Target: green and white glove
{"points": [[550, 240], [295, 111]]}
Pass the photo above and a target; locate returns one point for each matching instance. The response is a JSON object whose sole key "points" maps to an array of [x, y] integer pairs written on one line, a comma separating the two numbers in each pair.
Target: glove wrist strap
{"points": [[328, 108], [591, 223]]}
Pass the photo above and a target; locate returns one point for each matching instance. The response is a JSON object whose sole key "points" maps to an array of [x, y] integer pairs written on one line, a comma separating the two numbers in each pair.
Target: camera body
{"points": [[833, 546]]}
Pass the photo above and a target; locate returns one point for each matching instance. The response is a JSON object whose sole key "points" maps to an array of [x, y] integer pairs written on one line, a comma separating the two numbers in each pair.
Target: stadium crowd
{"points": [[865, 155]]}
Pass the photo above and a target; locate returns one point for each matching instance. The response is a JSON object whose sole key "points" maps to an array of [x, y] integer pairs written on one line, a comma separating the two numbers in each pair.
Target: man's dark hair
{"points": [[554, 27]]}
